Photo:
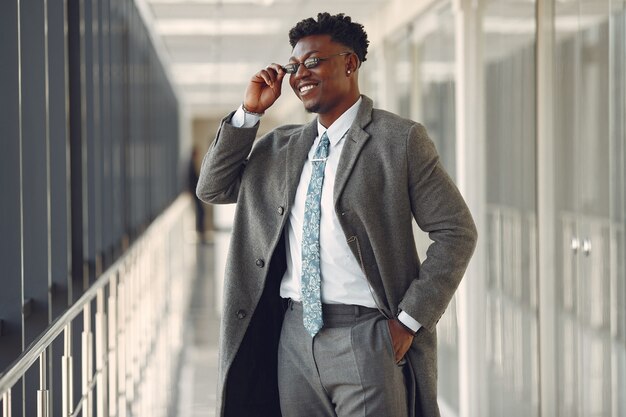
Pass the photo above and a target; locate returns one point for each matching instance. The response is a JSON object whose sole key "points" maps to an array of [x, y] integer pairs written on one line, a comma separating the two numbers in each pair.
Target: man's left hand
{"points": [[401, 338]]}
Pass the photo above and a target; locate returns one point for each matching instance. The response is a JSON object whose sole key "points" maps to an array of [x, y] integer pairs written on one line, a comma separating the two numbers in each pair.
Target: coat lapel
{"points": [[355, 140], [297, 152]]}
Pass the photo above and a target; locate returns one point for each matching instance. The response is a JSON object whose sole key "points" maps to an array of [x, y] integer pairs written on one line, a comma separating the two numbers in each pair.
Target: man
{"points": [[327, 309]]}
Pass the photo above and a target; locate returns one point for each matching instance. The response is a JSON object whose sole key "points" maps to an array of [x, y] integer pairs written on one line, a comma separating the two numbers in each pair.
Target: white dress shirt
{"points": [[343, 281]]}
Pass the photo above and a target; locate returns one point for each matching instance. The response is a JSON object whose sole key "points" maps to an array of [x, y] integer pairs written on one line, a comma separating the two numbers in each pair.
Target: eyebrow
{"points": [[311, 52]]}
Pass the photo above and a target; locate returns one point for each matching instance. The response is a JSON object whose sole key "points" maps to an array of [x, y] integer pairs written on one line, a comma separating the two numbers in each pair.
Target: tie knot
{"points": [[322, 148]]}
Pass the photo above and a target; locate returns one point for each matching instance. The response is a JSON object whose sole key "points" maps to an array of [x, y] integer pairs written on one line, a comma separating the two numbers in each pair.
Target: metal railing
{"points": [[137, 329]]}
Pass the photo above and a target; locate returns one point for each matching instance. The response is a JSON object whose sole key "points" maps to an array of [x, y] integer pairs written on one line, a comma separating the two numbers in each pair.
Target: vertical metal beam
{"points": [[95, 161], [58, 150], [546, 206], [11, 243], [107, 205], [117, 111], [34, 167], [89, 141], [76, 116], [59, 193], [33, 184], [471, 174]]}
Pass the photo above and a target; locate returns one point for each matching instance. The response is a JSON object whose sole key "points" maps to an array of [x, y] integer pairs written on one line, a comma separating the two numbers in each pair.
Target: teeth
{"points": [[306, 88]]}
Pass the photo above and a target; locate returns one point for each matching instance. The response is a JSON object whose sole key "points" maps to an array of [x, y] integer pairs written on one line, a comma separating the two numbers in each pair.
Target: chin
{"points": [[312, 107]]}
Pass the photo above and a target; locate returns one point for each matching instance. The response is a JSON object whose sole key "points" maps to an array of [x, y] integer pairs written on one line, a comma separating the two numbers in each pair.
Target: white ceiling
{"points": [[213, 47]]}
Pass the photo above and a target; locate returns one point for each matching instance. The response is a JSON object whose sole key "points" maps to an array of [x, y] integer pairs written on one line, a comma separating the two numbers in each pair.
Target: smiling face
{"points": [[331, 87]]}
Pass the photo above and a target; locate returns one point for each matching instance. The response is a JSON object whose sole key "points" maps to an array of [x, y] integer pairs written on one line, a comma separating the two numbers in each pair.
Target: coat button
{"points": [[260, 263], [241, 314], [281, 210]]}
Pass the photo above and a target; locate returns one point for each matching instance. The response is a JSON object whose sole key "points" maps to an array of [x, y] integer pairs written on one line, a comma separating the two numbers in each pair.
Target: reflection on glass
{"points": [[401, 66], [589, 139], [371, 76], [434, 83], [512, 323], [424, 91]]}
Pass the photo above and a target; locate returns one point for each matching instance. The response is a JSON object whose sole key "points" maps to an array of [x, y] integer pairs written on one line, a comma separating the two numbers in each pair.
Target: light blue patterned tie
{"points": [[311, 274]]}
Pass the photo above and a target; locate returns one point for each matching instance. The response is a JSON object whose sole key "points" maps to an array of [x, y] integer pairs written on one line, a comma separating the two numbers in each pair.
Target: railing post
{"points": [[154, 308], [6, 404], [43, 404], [135, 333], [113, 345], [149, 329], [87, 362], [141, 327], [132, 340], [130, 333], [121, 341], [101, 352], [67, 372]]}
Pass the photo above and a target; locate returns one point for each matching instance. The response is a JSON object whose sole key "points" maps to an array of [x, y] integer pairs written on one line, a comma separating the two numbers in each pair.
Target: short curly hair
{"points": [[341, 29]]}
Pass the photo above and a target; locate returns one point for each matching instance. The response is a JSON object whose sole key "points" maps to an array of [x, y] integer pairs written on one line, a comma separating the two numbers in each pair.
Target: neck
{"points": [[327, 119]]}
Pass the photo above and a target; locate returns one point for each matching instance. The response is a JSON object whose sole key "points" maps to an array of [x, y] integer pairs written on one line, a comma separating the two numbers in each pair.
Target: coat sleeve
{"points": [[224, 163], [439, 210]]}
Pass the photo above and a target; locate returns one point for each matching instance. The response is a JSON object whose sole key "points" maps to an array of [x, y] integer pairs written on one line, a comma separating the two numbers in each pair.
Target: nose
{"points": [[295, 78], [301, 72]]}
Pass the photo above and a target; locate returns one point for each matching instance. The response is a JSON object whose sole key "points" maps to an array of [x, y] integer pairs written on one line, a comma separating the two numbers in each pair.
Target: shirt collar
{"points": [[340, 126]]}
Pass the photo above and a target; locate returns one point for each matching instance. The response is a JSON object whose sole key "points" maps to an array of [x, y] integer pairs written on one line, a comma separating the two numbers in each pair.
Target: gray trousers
{"points": [[347, 370]]}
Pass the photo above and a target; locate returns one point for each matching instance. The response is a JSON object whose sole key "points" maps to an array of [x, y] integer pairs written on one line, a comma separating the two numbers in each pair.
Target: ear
{"points": [[352, 63]]}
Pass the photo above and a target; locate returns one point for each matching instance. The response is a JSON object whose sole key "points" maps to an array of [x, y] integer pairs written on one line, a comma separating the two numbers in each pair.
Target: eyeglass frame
{"points": [[313, 61]]}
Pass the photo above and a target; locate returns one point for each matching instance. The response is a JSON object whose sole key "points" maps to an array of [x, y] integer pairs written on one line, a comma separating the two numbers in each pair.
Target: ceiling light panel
{"points": [[215, 2], [215, 27]]}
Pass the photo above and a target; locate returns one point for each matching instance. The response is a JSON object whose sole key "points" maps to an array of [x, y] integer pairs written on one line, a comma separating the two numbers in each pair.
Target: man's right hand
{"points": [[264, 88]]}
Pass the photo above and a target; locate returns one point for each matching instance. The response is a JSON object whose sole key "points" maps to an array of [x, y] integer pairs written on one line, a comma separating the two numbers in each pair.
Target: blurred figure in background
{"points": [[192, 181]]}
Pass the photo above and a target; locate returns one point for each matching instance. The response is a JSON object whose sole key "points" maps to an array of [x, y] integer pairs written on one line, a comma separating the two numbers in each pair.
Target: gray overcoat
{"points": [[389, 174]]}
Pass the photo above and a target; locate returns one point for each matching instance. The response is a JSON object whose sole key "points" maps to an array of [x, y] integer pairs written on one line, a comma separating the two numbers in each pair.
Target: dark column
{"points": [[10, 208], [74, 14], [58, 120], [106, 129], [35, 205], [78, 105], [34, 168]]}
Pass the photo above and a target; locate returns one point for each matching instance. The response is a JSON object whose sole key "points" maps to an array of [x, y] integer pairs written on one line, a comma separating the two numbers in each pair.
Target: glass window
{"points": [[512, 323], [372, 77], [434, 85], [589, 224], [424, 83]]}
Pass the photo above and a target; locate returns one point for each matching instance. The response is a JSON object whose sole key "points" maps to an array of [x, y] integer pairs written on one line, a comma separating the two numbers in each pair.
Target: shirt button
{"points": [[260, 263], [241, 314], [281, 210]]}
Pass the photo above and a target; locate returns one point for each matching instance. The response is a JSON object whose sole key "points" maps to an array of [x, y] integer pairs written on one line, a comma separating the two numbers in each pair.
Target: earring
{"points": [[349, 71]]}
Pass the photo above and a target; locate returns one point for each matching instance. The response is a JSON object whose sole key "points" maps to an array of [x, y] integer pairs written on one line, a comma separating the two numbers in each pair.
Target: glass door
{"points": [[588, 169]]}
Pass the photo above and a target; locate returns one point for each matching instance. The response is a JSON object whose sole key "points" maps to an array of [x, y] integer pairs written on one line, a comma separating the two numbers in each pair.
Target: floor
{"points": [[198, 374]]}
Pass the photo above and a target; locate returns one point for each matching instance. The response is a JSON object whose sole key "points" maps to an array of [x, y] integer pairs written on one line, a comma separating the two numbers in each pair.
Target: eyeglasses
{"points": [[310, 63]]}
